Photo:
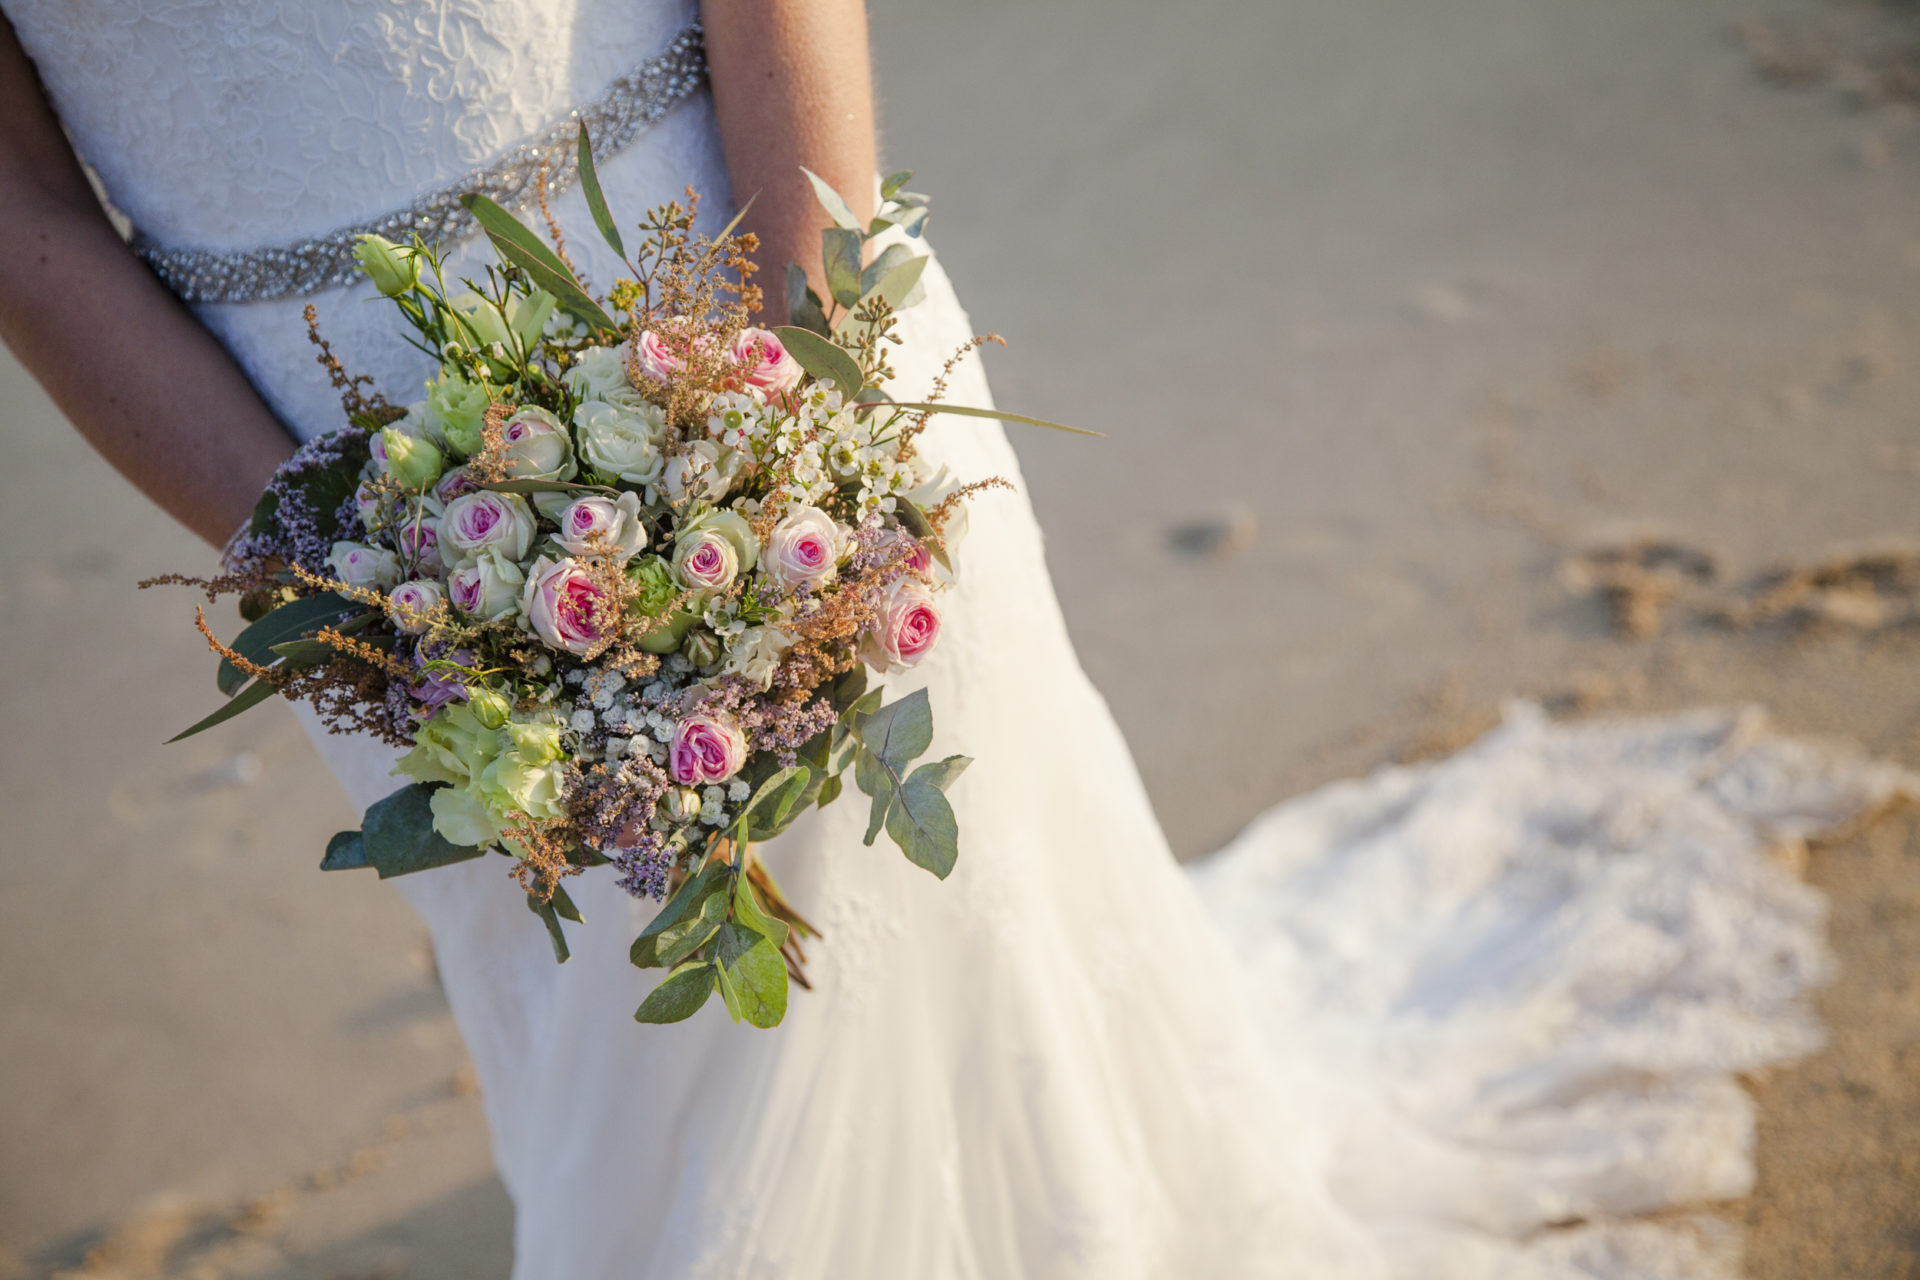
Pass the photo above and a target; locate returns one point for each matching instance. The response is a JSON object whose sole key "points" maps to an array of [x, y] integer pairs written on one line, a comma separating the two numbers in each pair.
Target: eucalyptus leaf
{"points": [[913, 221], [345, 852], [679, 941], [563, 905], [251, 696], [312, 653], [753, 977], [830, 200], [596, 201], [893, 183], [882, 792], [921, 821], [399, 835], [290, 621], [679, 995], [686, 901], [775, 803], [899, 284], [738, 216], [899, 731], [550, 916], [748, 911], [829, 791], [823, 358], [840, 253], [889, 258], [520, 246], [803, 304], [968, 411]]}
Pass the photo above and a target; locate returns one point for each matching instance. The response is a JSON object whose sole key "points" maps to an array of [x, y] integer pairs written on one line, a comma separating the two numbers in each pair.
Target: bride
{"points": [[1471, 1020]]}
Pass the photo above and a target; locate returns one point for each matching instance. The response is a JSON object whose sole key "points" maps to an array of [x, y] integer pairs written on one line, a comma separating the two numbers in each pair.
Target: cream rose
{"points": [[539, 447], [597, 525], [804, 549], [705, 560], [359, 565], [476, 522], [487, 587], [410, 603]]}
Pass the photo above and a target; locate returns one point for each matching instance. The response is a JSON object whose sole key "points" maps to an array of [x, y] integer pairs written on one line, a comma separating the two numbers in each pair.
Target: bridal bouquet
{"points": [[618, 581]]}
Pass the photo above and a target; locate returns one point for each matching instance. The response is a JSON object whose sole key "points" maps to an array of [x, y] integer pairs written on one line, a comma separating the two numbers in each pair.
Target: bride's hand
{"points": [[127, 363], [791, 87]]}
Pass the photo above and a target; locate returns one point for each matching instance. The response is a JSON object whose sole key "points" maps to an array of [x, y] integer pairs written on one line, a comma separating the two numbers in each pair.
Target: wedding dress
{"points": [[1470, 1019]]}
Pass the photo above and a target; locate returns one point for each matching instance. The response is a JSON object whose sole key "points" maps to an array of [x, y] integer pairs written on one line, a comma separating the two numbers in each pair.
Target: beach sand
{"points": [[1449, 353]]}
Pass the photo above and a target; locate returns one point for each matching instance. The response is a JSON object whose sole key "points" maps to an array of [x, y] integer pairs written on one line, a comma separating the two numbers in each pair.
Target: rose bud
{"points": [[394, 270]]}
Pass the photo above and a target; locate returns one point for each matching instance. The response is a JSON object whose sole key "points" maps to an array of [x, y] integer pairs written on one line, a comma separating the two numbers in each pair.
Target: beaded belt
{"points": [[635, 101]]}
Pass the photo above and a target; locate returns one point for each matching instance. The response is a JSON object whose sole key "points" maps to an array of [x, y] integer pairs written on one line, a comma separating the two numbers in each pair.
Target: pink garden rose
{"points": [[705, 749], [560, 602], [539, 446], [803, 549], [596, 525], [764, 363], [917, 558], [906, 629], [454, 483], [419, 543], [656, 359]]}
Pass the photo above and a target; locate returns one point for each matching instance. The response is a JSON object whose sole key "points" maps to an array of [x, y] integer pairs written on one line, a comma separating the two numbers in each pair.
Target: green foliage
{"points": [[753, 977], [596, 202], [679, 996], [840, 254], [913, 810], [399, 836], [823, 358], [803, 304], [345, 852], [1001, 415], [686, 901], [289, 622], [251, 696], [831, 200], [550, 916], [521, 247]]}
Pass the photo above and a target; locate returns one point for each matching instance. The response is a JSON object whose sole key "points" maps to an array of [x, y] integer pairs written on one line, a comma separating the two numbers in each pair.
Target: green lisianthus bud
{"points": [[394, 270], [412, 460], [537, 741], [489, 706]]}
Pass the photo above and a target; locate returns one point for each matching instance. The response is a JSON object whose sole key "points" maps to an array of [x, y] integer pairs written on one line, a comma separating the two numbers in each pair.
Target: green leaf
{"points": [[1002, 415], [840, 253], [312, 653], [738, 216], [290, 621], [550, 916], [922, 821], [596, 202], [686, 901], [563, 905], [830, 200], [679, 995], [520, 246], [894, 275], [915, 522], [251, 696], [344, 852], [399, 835], [900, 731], [679, 941], [912, 221], [848, 687], [823, 358], [747, 910], [879, 785], [774, 804], [893, 183], [263, 513], [829, 791], [803, 304], [753, 977]]}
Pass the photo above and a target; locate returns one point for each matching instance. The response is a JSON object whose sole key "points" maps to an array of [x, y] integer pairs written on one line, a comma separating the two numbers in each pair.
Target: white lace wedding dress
{"points": [[1470, 1019]]}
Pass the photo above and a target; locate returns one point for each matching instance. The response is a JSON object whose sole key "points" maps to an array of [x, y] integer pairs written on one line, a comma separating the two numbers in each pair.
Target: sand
{"points": [[1450, 352]]}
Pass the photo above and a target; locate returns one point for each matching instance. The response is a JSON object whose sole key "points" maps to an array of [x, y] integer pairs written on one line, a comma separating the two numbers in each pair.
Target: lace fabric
{"points": [[1399, 1028]]}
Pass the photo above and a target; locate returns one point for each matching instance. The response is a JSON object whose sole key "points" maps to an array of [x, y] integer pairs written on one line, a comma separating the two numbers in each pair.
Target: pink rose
{"points": [[917, 558], [411, 605], [764, 363], [905, 629], [419, 543], [598, 526], [705, 749], [705, 560], [803, 549], [563, 606], [454, 483], [477, 521], [539, 447], [655, 358]]}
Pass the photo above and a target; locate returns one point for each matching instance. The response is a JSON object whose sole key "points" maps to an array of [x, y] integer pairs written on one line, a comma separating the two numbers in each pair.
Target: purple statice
{"points": [[614, 809], [644, 867], [771, 724], [309, 504]]}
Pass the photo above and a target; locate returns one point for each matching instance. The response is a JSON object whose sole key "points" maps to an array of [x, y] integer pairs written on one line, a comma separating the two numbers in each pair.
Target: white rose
{"points": [[755, 654], [804, 549], [622, 442], [359, 565], [600, 373], [409, 604], [487, 587], [598, 525], [475, 522], [705, 470]]}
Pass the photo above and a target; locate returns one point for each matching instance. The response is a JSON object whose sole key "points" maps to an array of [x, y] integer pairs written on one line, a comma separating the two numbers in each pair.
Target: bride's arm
{"points": [[791, 87], [122, 357]]}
